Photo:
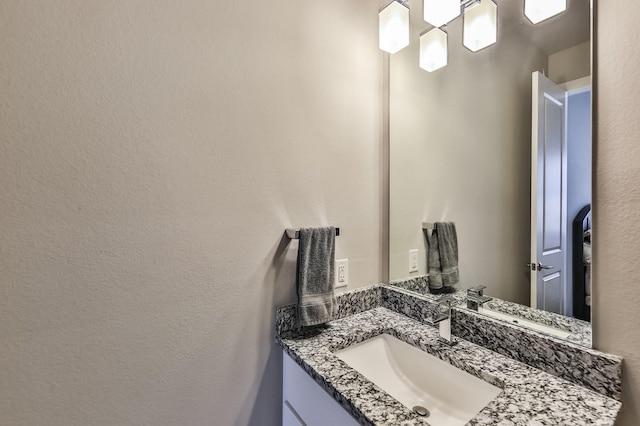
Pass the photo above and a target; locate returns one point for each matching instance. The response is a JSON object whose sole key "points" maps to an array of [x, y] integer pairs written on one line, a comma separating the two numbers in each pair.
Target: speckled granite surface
{"points": [[592, 369], [419, 284], [595, 370], [589, 368], [580, 330], [529, 397], [348, 303]]}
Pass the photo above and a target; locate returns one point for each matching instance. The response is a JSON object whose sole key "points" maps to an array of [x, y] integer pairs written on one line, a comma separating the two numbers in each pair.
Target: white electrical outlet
{"points": [[342, 273], [413, 260]]}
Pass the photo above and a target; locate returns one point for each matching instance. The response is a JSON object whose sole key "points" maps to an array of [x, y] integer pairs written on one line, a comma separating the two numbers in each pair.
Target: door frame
{"points": [[574, 87]]}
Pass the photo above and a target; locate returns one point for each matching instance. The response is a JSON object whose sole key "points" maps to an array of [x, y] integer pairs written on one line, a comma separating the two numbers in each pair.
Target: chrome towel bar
{"points": [[294, 233]]}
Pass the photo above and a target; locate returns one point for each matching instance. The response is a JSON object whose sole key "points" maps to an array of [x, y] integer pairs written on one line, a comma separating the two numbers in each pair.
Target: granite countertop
{"points": [[529, 396]]}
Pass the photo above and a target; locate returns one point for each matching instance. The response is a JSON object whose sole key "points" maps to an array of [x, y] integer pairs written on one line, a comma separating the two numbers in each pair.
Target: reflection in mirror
{"points": [[463, 139]]}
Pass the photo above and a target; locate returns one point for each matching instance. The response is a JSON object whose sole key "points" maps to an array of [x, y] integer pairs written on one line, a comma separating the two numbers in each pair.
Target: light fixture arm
{"points": [[402, 2], [464, 4]]}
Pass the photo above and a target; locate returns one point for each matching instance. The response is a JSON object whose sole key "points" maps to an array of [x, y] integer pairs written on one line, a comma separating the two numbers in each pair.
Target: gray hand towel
{"points": [[316, 255], [442, 255]]}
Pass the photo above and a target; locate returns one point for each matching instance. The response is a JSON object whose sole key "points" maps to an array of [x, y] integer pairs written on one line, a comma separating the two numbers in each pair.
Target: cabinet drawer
{"points": [[313, 405]]}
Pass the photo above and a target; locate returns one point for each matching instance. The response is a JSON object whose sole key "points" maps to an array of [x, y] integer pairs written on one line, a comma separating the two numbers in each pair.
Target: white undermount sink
{"points": [[418, 379], [529, 324]]}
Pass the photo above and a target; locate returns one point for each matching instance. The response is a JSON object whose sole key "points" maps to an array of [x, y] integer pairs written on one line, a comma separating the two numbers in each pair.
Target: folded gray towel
{"points": [[316, 256], [442, 255]]}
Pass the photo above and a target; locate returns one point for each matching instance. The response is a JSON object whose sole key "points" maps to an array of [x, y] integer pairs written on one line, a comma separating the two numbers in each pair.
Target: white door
{"points": [[548, 199]]}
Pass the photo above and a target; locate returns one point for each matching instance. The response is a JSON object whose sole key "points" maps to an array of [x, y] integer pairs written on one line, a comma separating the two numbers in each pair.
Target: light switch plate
{"points": [[413, 260], [342, 273]]}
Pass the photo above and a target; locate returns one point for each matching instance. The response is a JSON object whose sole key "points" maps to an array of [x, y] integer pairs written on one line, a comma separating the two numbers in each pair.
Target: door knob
{"points": [[538, 266], [541, 266]]}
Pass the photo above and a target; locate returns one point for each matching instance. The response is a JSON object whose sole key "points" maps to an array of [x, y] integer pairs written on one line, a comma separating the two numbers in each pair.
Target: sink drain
{"points": [[421, 411]]}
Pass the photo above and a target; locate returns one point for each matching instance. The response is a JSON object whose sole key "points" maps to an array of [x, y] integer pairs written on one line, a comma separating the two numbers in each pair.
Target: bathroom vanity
{"points": [[562, 383]]}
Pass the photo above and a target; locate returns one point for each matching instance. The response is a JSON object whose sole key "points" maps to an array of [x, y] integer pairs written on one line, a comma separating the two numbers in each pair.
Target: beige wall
{"points": [[151, 155], [460, 151], [570, 64], [616, 316]]}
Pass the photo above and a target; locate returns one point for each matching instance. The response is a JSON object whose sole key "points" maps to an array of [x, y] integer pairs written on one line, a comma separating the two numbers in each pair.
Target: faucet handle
{"points": [[441, 314], [476, 291], [476, 298]]}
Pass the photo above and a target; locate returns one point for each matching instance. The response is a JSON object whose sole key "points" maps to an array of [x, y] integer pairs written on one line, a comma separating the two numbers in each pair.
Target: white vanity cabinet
{"points": [[304, 402]]}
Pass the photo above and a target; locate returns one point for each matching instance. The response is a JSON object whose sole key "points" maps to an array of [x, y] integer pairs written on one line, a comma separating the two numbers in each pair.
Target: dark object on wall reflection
{"points": [[581, 260]]}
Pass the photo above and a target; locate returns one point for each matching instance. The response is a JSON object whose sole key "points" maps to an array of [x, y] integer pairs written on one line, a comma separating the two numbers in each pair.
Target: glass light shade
{"points": [[394, 27], [440, 12], [539, 10], [480, 25], [433, 50]]}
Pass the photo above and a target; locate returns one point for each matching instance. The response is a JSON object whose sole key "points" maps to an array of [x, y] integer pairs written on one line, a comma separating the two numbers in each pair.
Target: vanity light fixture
{"points": [[440, 12], [480, 27], [393, 22], [433, 50], [539, 10]]}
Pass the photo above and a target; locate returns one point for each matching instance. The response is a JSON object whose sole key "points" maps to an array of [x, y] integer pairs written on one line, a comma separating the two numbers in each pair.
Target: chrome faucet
{"points": [[444, 320], [476, 298]]}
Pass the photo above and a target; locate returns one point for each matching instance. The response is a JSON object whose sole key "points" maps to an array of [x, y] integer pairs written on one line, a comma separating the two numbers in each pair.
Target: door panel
{"points": [[552, 176], [552, 289]]}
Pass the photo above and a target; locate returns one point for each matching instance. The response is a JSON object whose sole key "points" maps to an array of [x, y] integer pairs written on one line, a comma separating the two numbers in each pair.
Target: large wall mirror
{"points": [[462, 140]]}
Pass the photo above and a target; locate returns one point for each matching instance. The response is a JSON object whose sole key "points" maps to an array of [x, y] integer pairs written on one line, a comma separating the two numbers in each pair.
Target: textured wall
{"points": [[460, 151], [151, 155], [616, 316]]}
